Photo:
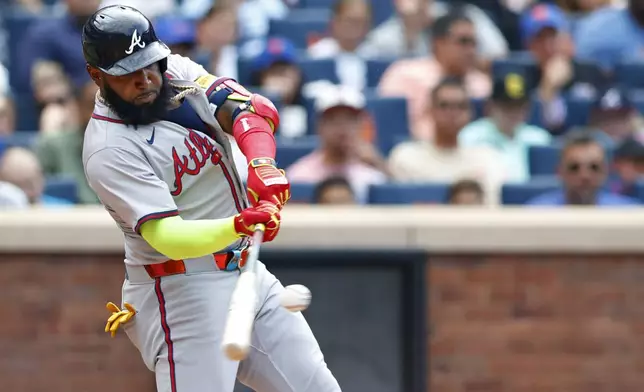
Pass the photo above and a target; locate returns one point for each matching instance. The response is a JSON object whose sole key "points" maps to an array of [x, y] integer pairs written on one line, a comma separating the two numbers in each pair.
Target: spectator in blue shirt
{"points": [[582, 170], [58, 40], [612, 35]]}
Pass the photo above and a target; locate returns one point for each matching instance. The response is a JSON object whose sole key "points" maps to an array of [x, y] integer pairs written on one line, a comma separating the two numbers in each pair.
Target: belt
{"points": [[228, 261]]}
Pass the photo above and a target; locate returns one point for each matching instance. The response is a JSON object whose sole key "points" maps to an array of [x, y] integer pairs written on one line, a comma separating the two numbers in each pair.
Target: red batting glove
{"points": [[267, 183], [265, 213]]}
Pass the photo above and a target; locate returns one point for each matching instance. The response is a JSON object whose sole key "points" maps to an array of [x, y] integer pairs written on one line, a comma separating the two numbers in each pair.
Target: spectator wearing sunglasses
{"points": [[583, 172], [443, 160], [454, 44]]}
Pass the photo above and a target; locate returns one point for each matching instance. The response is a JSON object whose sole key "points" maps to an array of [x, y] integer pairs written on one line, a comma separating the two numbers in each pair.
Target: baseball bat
{"points": [[241, 311]]}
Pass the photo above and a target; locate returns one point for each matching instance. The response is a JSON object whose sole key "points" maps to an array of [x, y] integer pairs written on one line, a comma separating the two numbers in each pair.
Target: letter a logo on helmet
{"points": [[136, 41]]}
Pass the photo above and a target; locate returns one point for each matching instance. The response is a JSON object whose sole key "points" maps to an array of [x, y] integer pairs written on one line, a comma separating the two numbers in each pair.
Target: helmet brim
{"points": [[152, 53]]}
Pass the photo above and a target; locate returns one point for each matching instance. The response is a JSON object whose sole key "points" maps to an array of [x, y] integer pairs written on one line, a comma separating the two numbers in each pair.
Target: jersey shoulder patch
{"points": [[205, 81]]}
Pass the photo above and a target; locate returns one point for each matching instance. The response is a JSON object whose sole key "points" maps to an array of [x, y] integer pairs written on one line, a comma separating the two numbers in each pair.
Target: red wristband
{"points": [[254, 136]]}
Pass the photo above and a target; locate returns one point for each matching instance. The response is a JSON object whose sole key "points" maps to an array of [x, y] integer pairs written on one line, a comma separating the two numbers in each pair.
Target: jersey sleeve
{"points": [[183, 68], [128, 187]]}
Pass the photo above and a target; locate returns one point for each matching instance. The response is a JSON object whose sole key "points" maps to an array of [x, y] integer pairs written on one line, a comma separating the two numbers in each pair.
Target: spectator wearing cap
{"points": [[58, 40], [409, 33], [342, 152], [546, 34], [582, 170], [612, 35], [443, 160], [216, 38], [349, 26], [276, 72], [613, 116], [505, 129], [628, 166], [454, 43], [179, 33]]}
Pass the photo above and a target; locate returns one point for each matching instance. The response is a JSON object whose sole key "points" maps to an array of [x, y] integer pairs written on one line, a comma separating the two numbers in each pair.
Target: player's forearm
{"points": [[184, 239]]}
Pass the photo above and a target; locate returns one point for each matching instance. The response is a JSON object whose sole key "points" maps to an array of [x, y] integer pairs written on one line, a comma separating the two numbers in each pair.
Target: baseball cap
{"points": [[629, 149], [275, 50], [174, 30], [511, 87], [613, 99], [335, 96], [542, 16]]}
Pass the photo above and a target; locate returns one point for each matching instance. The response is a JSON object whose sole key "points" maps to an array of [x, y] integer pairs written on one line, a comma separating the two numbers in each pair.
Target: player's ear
{"points": [[95, 74]]}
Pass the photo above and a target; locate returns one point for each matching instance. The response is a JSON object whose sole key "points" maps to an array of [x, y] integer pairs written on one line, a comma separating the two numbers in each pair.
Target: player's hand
{"points": [[118, 317], [267, 183], [265, 213]]}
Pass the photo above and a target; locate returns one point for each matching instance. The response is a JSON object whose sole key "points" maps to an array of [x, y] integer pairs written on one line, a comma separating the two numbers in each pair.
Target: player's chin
{"points": [[146, 99]]}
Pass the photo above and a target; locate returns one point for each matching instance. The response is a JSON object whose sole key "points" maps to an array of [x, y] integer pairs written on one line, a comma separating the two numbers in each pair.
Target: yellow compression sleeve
{"points": [[184, 239]]}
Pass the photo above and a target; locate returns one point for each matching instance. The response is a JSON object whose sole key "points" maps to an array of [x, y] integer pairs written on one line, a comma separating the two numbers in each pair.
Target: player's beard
{"points": [[135, 115]]}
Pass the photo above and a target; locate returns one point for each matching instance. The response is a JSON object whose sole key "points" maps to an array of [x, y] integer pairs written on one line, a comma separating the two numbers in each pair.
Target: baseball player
{"points": [[156, 153]]}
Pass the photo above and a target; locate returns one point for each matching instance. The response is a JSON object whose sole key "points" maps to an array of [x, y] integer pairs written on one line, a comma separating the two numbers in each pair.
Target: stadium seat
{"points": [[578, 112], [24, 139], [318, 69], [302, 26], [630, 74], [17, 24], [380, 9], [543, 160], [518, 194], [408, 194], [289, 151], [390, 118], [375, 70], [301, 193], [62, 188]]}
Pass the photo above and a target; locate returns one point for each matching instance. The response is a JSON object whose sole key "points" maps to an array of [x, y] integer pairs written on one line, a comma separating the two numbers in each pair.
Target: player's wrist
{"points": [[262, 161]]}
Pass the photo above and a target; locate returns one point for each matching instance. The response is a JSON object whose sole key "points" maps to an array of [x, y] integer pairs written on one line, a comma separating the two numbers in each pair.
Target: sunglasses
{"points": [[575, 167], [460, 105], [465, 41]]}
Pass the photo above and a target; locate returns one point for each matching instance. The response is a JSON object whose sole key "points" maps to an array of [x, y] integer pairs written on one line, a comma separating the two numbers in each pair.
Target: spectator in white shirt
{"points": [[349, 26], [216, 38]]}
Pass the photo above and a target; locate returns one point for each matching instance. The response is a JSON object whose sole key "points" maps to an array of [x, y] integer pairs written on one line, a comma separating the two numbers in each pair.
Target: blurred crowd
{"points": [[481, 102]]}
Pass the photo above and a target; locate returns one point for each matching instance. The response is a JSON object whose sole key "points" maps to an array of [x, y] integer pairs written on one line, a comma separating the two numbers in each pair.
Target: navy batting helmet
{"points": [[119, 40]]}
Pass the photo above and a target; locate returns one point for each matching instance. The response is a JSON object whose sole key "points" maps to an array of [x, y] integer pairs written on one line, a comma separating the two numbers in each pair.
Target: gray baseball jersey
{"points": [[162, 169]]}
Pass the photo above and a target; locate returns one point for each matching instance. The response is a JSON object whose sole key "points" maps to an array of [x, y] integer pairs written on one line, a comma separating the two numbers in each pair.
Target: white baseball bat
{"points": [[241, 311]]}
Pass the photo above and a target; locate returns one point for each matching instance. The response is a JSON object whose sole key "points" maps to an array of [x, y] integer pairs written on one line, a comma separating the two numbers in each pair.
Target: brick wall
{"points": [[537, 324], [51, 327], [498, 324]]}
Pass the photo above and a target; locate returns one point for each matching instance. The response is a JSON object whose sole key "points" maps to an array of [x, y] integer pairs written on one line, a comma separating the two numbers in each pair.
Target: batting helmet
{"points": [[119, 40]]}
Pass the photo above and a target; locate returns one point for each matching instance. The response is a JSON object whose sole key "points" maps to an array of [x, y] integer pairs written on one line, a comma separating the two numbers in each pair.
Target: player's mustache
{"points": [[145, 114]]}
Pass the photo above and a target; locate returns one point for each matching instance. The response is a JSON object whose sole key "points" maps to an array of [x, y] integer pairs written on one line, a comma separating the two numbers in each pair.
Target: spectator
{"points": [[216, 36], [580, 8], [443, 160], [21, 168], [54, 97], [334, 190], [349, 26], [178, 33], [7, 117], [150, 8], [409, 33], [254, 15], [454, 45], [275, 72], [545, 32], [341, 153], [612, 35], [12, 197], [58, 40], [582, 171], [613, 116], [505, 128], [4, 81], [628, 164], [60, 151], [465, 193]]}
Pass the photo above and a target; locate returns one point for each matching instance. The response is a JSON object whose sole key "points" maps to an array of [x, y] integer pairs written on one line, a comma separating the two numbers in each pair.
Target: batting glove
{"points": [[265, 213], [118, 317], [267, 183]]}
